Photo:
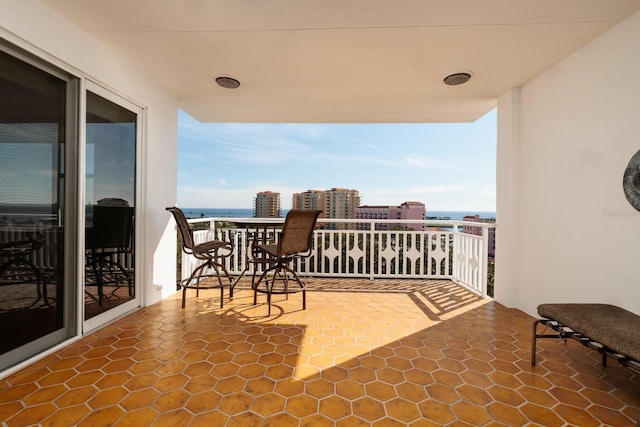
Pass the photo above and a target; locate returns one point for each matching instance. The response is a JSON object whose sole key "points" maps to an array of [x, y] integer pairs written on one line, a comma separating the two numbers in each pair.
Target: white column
{"points": [[507, 199]]}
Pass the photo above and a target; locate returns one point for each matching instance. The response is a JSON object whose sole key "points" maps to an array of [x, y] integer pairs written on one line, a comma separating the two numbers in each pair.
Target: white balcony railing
{"points": [[442, 251]]}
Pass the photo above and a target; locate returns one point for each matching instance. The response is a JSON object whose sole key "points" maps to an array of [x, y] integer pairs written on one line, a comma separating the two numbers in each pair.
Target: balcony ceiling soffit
{"points": [[349, 61]]}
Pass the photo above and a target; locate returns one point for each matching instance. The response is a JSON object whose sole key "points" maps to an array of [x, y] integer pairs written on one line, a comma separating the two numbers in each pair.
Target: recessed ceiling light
{"points": [[457, 78], [227, 82]]}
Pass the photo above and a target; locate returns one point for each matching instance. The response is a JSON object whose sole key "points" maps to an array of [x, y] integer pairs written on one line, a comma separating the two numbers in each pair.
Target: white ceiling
{"points": [[342, 61]]}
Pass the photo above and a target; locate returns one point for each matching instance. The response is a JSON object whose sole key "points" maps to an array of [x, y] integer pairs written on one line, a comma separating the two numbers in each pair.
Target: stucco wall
{"points": [[35, 27], [566, 232]]}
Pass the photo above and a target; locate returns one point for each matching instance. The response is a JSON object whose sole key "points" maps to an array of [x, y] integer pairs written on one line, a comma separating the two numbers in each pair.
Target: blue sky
{"points": [[445, 166]]}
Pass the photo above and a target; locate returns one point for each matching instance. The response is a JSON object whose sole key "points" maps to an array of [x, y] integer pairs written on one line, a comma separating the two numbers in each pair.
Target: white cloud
{"points": [[365, 144], [245, 143], [431, 163], [453, 197], [421, 193]]}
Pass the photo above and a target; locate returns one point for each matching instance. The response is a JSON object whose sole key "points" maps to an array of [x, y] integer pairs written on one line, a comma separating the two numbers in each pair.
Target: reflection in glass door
{"points": [[110, 205], [33, 283]]}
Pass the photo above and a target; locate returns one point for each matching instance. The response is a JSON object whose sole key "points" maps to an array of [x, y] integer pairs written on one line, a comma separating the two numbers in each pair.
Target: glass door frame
{"points": [[122, 309], [74, 326], [15, 359]]}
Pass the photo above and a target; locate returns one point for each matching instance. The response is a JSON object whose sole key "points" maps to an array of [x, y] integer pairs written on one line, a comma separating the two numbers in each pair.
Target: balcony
{"points": [[553, 73], [365, 352], [368, 248]]}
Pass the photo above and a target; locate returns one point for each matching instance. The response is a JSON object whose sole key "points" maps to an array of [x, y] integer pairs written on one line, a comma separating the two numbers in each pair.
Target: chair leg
{"points": [[269, 304], [184, 295], [304, 299], [255, 285], [231, 285], [96, 266], [199, 273], [217, 267], [235, 282]]}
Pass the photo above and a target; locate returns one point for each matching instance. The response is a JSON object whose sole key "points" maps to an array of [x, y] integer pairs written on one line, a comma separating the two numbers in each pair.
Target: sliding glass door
{"points": [[36, 122], [110, 205], [50, 288]]}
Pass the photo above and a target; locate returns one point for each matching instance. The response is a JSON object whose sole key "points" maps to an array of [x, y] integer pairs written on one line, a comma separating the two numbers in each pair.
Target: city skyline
{"points": [[448, 166]]}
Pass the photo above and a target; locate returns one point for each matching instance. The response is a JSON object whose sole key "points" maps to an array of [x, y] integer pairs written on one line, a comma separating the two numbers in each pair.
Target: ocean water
{"points": [[221, 212], [459, 214], [248, 213]]}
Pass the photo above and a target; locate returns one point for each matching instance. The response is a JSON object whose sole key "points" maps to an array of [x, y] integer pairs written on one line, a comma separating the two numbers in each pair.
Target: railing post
{"points": [[484, 262], [457, 241], [372, 229]]}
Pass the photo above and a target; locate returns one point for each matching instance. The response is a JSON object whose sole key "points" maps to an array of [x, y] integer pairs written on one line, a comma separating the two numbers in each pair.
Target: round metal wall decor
{"points": [[631, 181]]}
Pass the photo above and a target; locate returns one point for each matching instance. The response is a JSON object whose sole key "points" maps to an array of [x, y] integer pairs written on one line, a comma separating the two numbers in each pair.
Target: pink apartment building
{"points": [[407, 210], [470, 229]]}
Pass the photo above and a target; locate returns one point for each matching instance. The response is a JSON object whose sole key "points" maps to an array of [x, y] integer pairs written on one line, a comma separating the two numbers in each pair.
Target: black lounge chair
{"points": [[612, 331]]}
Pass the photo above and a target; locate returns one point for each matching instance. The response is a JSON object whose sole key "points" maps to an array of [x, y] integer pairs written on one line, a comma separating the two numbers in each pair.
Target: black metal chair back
{"points": [[183, 226], [297, 233], [211, 253]]}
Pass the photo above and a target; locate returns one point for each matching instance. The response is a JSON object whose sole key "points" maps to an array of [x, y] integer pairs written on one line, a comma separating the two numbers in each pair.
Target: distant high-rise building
{"points": [[267, 205], [309, 200], [340, 203], [408, 210]]}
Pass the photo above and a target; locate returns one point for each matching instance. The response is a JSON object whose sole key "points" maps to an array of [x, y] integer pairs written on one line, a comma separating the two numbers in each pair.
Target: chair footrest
{"points": [[202, 283], [280, 291]]}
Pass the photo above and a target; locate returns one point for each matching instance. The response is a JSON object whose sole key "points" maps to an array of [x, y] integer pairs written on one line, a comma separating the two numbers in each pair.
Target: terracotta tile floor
{"points": [[381, 353]]}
